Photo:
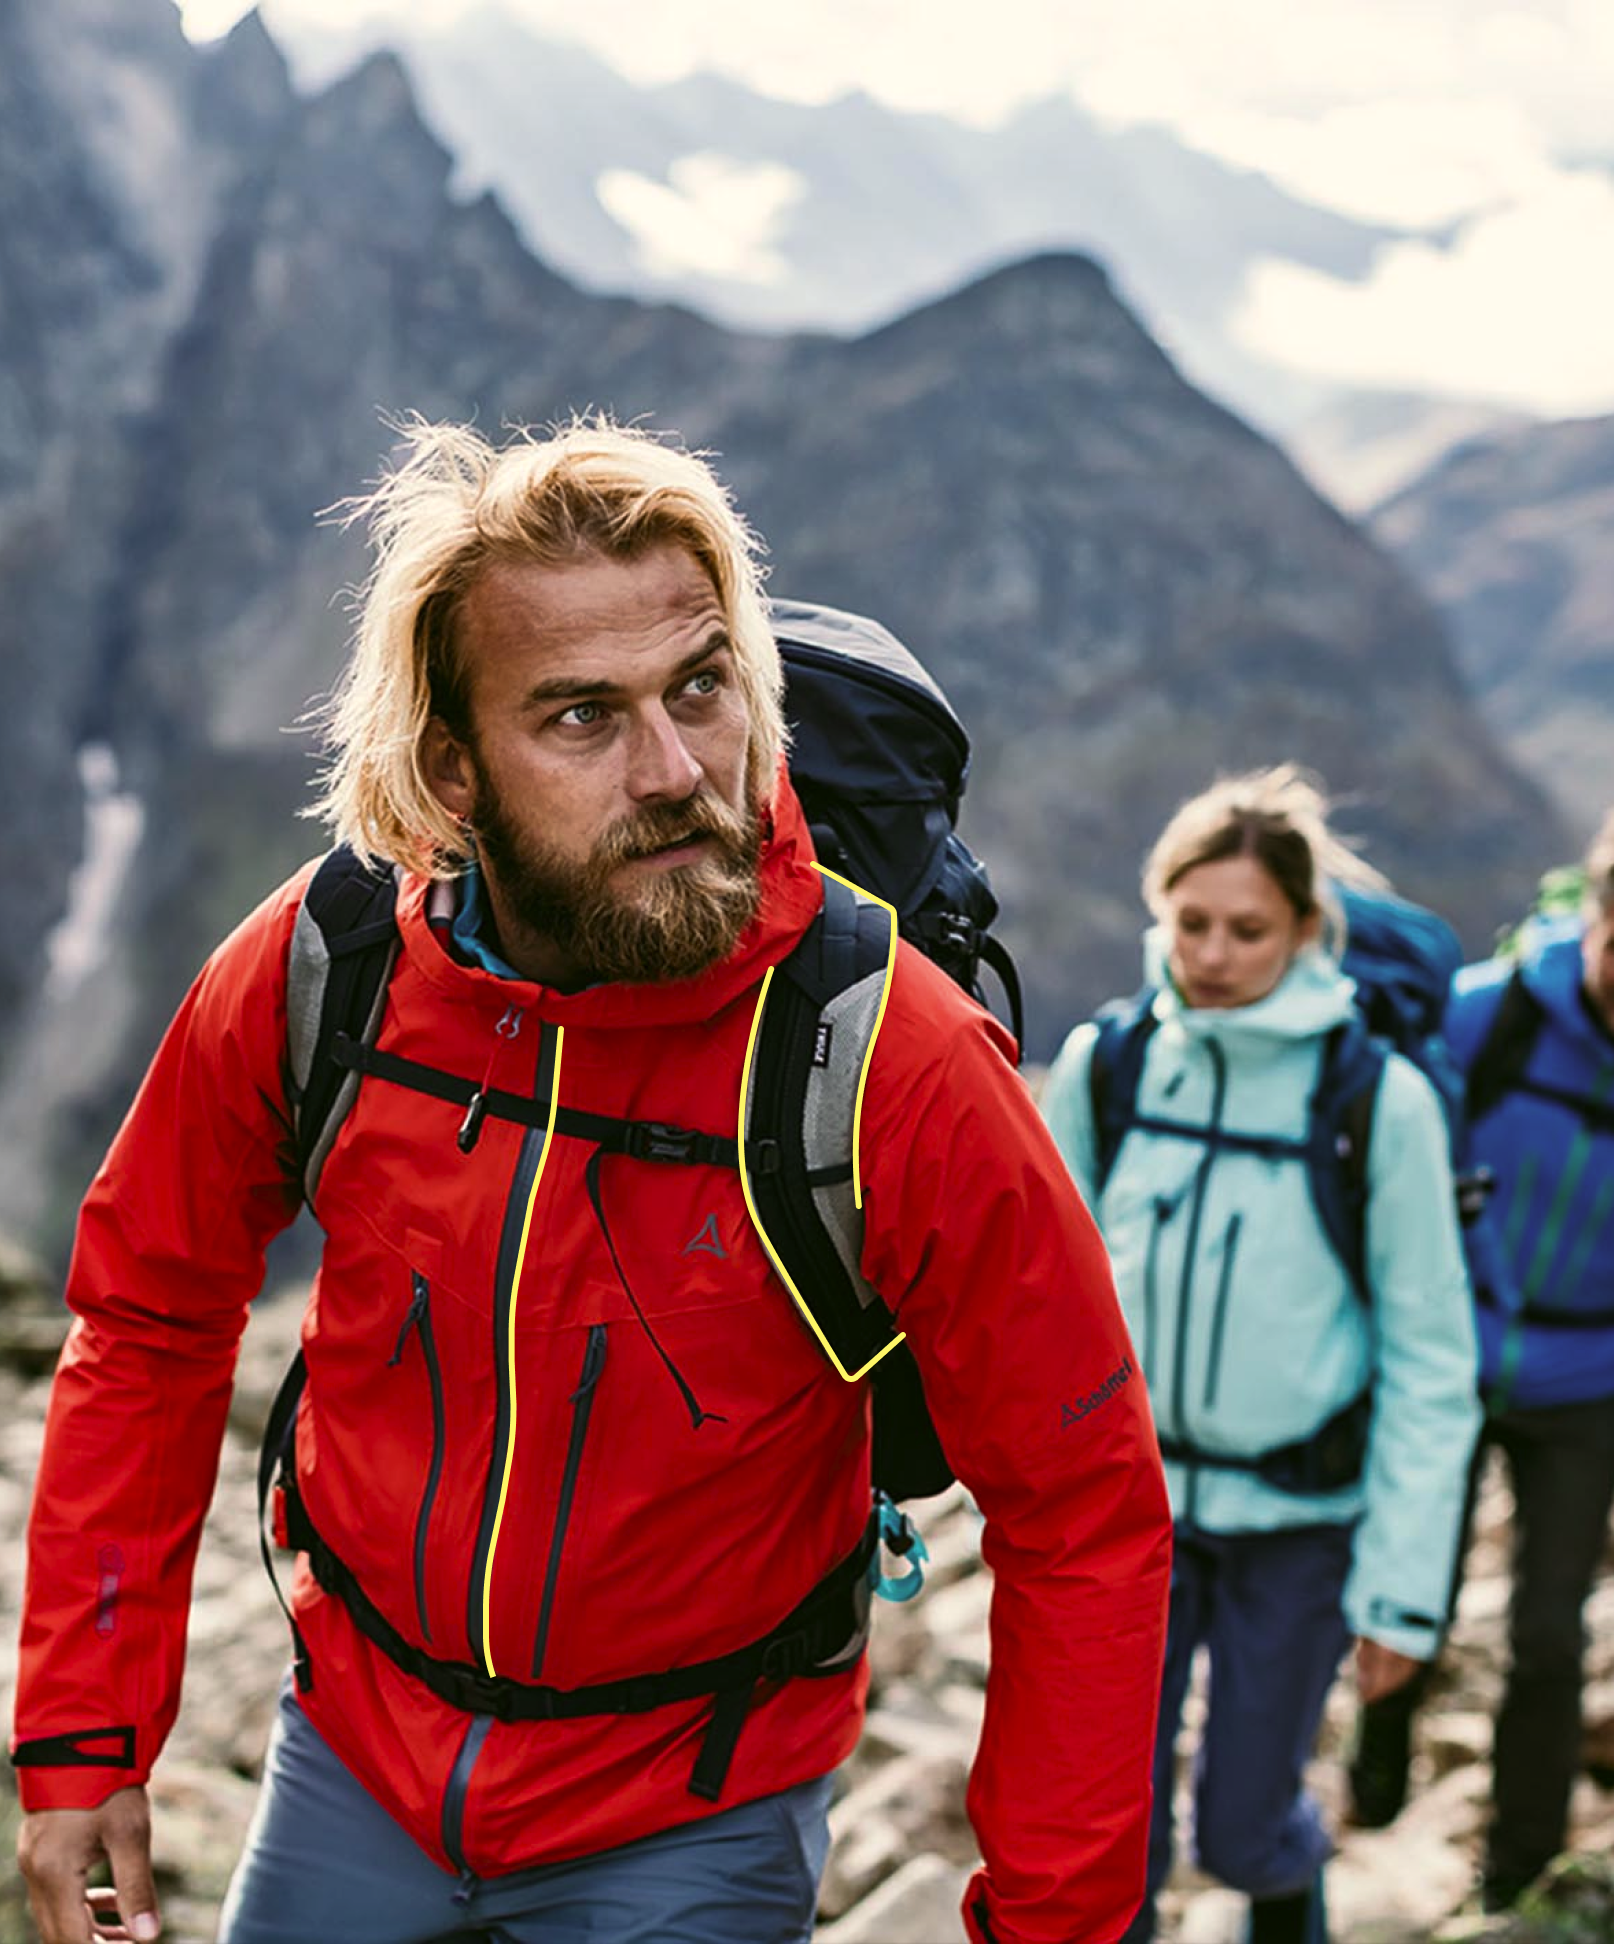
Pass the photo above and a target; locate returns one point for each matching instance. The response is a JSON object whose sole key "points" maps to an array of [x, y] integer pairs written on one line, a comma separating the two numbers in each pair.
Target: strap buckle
{"points": [[659, 1141], [787, 1655]]}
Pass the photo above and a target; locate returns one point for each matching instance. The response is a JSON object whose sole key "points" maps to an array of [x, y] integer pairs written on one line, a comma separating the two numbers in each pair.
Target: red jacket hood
{"points": [[792, 892]]}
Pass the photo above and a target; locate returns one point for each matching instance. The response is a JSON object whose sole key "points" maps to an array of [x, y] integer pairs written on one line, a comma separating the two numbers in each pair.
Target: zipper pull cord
{"points": [[697, 1415], [508, 1028]]}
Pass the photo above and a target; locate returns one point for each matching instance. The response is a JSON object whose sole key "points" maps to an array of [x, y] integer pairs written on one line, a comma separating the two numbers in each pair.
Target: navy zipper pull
{"points": [[412, 1316]]}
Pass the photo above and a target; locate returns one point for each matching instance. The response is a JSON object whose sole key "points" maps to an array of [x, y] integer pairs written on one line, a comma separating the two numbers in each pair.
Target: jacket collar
{"points": [[792, 892]]}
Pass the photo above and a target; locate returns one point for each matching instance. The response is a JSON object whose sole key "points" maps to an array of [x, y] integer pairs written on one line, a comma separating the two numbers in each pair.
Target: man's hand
{"points": [[1380, 1670], [57, 1848]]}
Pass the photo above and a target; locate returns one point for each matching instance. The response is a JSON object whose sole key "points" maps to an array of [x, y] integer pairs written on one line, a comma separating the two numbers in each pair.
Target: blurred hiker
{"points": [[1533, 1031], [1276, 1192], [583, 1505]]}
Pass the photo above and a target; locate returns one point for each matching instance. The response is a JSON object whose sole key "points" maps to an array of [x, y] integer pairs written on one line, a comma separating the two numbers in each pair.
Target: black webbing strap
{"points": [[1267, 1147], [821, 1628], [276, 1452], [1597, 1114], [1327, 1460], [644, 1140], [1549, 1316]]}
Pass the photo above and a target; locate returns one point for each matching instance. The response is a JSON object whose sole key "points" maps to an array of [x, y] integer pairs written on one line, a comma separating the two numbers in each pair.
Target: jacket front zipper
{"points": [[513, 1239], [582, 1402], [1164, 1209], [419, 1319], [1190, 1251], [456, 1792], [1213, 1364]]}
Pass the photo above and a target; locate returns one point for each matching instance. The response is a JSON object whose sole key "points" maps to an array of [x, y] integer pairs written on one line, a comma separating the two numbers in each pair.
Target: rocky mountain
{"points": [[1513, 537], [1123, 587], [778, 215], [110, 173]]}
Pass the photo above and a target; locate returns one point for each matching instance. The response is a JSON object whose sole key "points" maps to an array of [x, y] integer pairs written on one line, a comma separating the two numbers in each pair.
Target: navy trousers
{"points": [[1266, 1607], [1560, 1461], [324, 1861]]}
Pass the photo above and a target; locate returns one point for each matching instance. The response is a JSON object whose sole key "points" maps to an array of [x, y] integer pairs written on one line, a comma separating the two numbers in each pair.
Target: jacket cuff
{"points": [[1417, 1635], [977, 1913], [76, 1770]]}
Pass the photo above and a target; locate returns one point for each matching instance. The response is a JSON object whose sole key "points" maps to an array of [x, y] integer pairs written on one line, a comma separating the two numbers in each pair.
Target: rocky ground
{"points": [[902, 1846]]}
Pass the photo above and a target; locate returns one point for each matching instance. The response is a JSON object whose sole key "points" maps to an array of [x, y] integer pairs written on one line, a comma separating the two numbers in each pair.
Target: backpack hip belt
{"points": [[1326, 1460], [823, 1635]]}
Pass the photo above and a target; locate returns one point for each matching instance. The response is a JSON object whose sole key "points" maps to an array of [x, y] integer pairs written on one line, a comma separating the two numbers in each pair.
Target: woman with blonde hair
{"points": [[1315, 1422]]}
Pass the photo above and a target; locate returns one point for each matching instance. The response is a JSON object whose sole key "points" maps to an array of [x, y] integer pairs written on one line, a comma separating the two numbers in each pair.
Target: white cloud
{"points": [[1410, 162], [715, 216], [1519, 309]]}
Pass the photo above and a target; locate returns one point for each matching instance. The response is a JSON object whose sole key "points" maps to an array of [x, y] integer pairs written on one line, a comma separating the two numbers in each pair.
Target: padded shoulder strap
{"points": [[1340, 1138], [817, 1028], [1115, 1072], [341, 956], [1500, 1060]]}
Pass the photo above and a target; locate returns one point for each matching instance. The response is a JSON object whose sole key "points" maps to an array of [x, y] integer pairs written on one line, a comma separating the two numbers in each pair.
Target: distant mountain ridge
{"points": [[1122, 586], [1513, 536], [855, 212]]}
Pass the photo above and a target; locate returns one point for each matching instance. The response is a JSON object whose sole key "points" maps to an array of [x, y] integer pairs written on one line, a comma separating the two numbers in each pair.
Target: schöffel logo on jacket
{"points": [[1070, 1414]]}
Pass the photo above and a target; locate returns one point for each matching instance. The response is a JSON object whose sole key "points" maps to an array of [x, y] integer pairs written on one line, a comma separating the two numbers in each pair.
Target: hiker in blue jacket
{"points": [[1534, 1033], [1316, 1436]]}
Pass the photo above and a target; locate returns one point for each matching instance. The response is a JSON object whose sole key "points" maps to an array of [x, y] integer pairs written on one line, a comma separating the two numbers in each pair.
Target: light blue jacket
{"points": [[1248, 1329]]}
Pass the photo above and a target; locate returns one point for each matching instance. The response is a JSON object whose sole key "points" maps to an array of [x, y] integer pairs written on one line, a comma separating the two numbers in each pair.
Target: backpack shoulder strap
{"points": [[804, 1083], [342, 951], [1500, 1059], [805, 1069], [1114, 1073], [1340, 1138]]}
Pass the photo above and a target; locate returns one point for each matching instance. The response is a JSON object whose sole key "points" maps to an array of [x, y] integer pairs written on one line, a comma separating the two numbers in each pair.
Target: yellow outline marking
{"points": [[510, 1351], [851, 1376]]}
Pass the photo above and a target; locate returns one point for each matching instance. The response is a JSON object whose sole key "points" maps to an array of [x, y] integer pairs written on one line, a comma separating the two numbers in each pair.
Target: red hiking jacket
{"points": [[527, 1475]]}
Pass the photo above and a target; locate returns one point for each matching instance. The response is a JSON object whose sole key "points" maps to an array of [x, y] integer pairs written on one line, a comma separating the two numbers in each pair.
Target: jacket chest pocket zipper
{"points": [[582, 1403], [1163, 1210], [418, 1319], [1224, 1284]]}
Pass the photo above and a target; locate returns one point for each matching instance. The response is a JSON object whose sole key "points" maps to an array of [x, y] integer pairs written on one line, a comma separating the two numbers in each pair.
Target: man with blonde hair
{"points": [[584, 1510]]}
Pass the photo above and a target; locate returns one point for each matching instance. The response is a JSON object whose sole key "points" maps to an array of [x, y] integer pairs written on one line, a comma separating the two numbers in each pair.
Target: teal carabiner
{"points": [[896, 1533]]}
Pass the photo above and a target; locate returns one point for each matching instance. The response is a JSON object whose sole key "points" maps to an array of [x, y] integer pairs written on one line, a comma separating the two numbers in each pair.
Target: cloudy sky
{"points": [[1493, 117]]}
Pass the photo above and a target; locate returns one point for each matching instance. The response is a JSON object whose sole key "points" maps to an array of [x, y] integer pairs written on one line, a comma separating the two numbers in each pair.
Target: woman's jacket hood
{"points": [[1312, 997]]}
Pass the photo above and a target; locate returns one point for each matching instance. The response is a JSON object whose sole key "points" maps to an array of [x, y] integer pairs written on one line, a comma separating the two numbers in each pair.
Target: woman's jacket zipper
{"points": [[1224, 1283], [1164, 1209], [419, 1319], [1196, 1213], [582, 1403]]}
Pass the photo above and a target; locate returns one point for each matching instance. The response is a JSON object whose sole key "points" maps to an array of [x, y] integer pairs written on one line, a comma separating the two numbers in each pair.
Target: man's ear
{"points": [[446, 764]]}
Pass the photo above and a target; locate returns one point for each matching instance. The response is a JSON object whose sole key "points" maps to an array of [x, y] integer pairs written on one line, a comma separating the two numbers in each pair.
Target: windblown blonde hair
{"points": [[1279, 817], [451, 507]]}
